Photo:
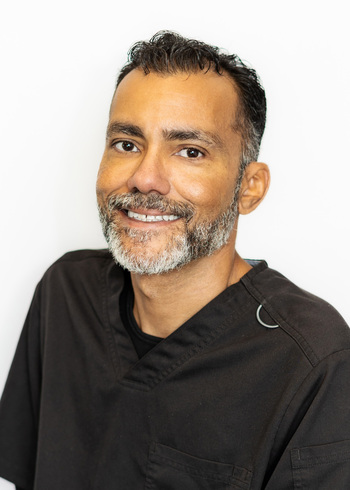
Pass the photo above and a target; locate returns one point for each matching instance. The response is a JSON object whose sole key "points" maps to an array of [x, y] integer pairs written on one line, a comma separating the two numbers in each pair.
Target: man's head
{"points": [[178, 142], [169, 53]]}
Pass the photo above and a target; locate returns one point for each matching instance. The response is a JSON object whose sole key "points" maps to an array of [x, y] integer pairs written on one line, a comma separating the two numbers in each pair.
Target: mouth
{"points": [[149, 209], [150, 218]]}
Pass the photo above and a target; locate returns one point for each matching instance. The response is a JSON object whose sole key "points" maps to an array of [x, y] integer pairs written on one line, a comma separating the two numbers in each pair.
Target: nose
{"points": [[149, 175]]}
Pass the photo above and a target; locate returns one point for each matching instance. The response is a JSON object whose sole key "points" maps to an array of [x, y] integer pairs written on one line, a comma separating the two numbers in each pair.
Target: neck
{"points": [[164, 302]]}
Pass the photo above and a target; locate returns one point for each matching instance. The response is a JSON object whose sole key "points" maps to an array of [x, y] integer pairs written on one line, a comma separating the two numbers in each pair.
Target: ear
{"points": [[255, 183]]}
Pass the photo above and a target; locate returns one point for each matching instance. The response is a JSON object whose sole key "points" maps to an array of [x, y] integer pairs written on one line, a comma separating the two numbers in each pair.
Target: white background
{"points": [[59, 62]]}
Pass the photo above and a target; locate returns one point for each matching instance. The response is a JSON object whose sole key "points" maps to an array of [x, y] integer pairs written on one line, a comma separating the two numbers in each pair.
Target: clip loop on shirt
{"points": [[260, 320]]}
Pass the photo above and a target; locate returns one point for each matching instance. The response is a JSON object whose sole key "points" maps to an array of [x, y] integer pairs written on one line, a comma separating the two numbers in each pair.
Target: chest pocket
{"points": [[322, 467], [170, 469]]}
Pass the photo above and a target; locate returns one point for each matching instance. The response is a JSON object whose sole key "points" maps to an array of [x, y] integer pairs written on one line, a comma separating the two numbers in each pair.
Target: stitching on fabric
{"points": [[195, 350], [150, 471], [322, 463], [340, 351], [134, 385], [194, 471], [297, 471], [298, 484], [284, 324], [299, 388], [336, 457], [109, 333], [287, 407], [163, 374], [213, 476]]}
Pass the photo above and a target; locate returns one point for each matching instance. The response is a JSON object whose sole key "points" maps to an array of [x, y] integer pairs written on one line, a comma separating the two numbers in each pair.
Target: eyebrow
{"points": [[125, 128], [207, 137], [181, 134]]}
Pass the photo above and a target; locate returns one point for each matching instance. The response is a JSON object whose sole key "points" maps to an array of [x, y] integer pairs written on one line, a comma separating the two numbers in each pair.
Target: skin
{"points": [[154, 121]]}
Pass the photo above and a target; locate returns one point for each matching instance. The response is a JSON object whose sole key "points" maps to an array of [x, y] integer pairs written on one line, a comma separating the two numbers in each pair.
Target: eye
{"points": [[126, 146], [190, 153]]}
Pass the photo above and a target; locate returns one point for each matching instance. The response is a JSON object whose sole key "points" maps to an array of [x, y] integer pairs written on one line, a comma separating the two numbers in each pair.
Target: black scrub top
{"points": [[252, 392]]}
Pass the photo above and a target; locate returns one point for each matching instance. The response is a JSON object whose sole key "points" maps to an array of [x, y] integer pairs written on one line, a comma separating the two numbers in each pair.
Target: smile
{"points": [[151, 218]]}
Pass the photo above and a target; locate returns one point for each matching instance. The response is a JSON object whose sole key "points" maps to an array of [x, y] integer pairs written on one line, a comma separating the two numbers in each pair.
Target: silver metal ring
{"points": [[260, 320]]}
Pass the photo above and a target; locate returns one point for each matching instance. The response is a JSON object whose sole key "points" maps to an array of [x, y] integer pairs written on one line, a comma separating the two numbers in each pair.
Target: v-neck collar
{"points": [[188, 340]]}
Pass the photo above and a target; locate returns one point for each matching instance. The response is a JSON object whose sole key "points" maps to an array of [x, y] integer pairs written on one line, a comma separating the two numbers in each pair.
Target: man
{"points": [[178, 365]]}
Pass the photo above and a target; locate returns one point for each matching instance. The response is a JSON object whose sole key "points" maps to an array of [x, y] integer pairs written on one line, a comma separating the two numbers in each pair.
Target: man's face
{"points": [[167, 184]]}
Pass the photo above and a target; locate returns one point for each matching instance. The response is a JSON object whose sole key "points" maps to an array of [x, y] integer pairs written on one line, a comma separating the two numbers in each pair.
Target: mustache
{"points": [[152, 201]]}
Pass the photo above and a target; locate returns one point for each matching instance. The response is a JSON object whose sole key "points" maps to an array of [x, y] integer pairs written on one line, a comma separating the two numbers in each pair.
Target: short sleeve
{"points": [[317, 422], [19, 406]]}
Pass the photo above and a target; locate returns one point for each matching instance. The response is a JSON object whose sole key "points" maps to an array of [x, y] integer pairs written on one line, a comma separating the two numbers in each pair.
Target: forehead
{"points": [[202, 98]]}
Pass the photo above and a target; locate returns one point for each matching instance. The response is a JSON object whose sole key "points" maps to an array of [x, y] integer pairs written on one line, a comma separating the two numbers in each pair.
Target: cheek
{"points": [[210, 194], [109, 179]]}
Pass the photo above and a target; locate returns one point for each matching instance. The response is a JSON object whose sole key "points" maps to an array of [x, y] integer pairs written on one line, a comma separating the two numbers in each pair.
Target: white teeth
{"points": [[152, 218]]}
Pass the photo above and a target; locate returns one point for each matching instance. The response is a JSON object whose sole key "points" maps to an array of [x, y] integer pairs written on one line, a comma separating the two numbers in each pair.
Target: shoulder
{"points": [[79, 261], [311, 322], [83, 256], [78, 269]]}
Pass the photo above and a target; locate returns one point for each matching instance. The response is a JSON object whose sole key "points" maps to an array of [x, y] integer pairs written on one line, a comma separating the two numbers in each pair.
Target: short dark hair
{"points": [[168, 52]]}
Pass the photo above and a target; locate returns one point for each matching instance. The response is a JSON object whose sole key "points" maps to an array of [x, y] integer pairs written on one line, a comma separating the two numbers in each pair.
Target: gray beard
{"points": [[198, 240]]}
